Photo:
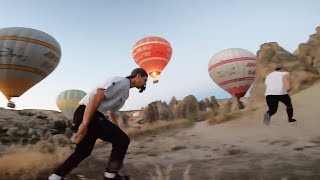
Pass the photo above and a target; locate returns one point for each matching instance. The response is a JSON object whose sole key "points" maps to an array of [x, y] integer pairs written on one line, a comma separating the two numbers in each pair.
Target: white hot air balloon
{"points": [[233, 70], [26, 57]]}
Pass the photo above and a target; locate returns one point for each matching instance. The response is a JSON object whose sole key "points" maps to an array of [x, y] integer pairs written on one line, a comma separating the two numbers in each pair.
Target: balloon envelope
{"points": [[152, 54], [233, 70], [26, 57], [68, 101]]}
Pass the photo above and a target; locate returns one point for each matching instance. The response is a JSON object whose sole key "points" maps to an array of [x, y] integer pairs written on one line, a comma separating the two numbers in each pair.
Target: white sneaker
{"points": [[54, 177]]}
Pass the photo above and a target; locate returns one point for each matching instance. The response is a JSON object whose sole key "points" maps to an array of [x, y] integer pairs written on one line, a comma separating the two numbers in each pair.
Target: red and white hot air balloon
{"points": [[233, 70], [152, 54]]}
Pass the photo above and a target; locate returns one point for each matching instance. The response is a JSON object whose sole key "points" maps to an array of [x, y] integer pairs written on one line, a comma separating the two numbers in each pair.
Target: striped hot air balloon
{"points": [[26, 57], [68, 101], [233, 70], [152, 54]]}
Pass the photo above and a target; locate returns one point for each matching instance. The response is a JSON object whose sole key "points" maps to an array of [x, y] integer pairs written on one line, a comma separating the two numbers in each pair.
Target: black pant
{"points": [[99, 127], [273, 101]]}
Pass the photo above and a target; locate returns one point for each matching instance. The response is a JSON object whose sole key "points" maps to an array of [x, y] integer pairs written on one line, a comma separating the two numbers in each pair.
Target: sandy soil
{"points": [[243, 148]]}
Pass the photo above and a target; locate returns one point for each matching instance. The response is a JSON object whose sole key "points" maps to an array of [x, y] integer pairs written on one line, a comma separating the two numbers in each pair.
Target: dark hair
{"points": [[142, 72], [137, 71], [279, 67]]}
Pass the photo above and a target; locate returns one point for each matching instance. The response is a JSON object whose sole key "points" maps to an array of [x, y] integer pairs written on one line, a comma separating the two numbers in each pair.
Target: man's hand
{"points": [[82, 132], [290, 92], [113, 118], [286, 81]]}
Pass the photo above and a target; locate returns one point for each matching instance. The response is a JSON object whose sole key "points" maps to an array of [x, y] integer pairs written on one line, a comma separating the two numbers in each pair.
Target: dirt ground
{"points": [[242, 149]]}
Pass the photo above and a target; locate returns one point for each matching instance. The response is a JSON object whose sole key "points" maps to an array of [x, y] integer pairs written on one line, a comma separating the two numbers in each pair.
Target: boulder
{"points": [[157, 110]]}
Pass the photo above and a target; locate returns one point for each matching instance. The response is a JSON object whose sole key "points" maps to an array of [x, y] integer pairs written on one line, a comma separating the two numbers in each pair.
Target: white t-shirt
{"points": [[116, 92], [274, 83]]}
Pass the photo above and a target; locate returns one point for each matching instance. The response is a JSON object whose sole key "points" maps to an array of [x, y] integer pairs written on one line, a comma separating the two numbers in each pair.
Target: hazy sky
{"points": [[97, 36]]}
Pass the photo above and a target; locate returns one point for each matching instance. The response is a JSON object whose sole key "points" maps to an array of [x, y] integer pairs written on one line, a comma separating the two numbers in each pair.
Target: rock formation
{"points": [[187, 108], [30, 126], [303, 65], [155, 111]]}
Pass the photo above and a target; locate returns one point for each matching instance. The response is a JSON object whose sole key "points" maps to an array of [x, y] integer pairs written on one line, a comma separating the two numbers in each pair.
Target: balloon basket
{"points": [[11, 104]]}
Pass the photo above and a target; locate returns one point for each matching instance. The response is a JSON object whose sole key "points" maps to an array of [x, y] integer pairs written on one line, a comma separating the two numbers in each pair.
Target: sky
{"points": [[96, 38]]}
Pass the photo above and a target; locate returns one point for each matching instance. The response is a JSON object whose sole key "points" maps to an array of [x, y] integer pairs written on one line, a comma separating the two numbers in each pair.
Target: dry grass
{"points": [[27, 162], [150, 128], [31, 162], [158, 127], [165, 173], [224, 117]]}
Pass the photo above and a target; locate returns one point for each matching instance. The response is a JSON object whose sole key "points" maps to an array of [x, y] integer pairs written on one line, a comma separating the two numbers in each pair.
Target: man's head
{"points": [[138, 78], [279, 67]]}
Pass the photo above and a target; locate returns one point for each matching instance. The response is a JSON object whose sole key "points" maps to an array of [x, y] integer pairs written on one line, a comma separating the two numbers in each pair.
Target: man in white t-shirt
{"points": [[277, 88], [92, 122]]}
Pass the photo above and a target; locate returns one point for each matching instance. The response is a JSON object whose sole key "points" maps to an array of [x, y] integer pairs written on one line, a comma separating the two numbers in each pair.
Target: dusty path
{"points": [[240, 149]]}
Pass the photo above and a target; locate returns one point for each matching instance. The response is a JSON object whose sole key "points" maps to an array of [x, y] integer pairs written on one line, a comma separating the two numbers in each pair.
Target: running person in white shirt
{"points": [[92, 124], [277, 88]]}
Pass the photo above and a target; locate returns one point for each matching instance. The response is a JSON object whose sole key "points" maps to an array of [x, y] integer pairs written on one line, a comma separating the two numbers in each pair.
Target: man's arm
{"points": [[286, 81], [91, 108], [93, 105]]}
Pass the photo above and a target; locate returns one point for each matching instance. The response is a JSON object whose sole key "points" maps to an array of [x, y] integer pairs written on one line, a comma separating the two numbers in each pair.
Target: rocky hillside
{"points": [[30, 126], [303, 65]]}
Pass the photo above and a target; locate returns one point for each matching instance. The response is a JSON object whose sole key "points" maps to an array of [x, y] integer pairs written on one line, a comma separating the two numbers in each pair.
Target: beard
{"points": [[142, 89]]}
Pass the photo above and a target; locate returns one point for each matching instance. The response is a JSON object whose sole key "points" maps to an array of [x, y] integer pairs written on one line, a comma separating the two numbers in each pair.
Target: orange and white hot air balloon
{"points": [[26, 57], [233, 70], [152, 54]]}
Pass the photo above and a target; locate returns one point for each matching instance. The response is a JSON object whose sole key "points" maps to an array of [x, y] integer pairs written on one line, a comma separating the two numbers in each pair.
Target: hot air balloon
{"points": [[26, 57], [233, 70], [152, 54], [68, 101]]}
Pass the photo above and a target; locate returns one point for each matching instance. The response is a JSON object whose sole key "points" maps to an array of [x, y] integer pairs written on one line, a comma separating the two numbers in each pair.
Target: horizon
{"points": [[96, 41]]}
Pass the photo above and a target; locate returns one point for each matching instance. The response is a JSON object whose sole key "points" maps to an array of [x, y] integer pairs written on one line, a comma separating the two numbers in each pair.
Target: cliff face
{"points": [[303, 65]]}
